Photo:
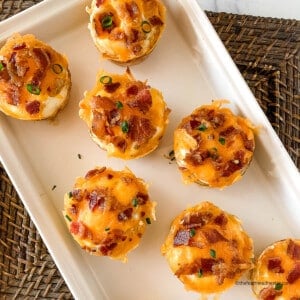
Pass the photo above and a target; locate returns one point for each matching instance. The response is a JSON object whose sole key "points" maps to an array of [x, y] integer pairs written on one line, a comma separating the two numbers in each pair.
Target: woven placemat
{"points": [[267, 53]]}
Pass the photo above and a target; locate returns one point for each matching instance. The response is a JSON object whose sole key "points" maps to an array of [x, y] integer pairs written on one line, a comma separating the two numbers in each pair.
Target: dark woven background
{"points": [[267, 53]]}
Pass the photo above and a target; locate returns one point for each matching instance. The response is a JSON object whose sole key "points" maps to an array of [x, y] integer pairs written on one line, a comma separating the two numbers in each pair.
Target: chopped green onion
{"points": [[148, 220], [202, 127], [125, 126], [106, 79], [107, 22], [119, 105], [222, 140], [146, 26], [192, 232], [200, 273], [33, 89], [135, 202], [213, 153], [70, 195], [68, 218], [1, 66], [107, 229], [212, 253], [57, 68], [278, 286]]}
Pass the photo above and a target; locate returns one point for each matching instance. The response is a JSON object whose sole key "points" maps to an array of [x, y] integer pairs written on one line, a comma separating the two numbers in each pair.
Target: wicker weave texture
{"points": [[266, 51]]}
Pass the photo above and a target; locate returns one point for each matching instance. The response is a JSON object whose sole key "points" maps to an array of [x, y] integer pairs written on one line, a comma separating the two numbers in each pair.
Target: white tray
{"points": [[191, 67]]}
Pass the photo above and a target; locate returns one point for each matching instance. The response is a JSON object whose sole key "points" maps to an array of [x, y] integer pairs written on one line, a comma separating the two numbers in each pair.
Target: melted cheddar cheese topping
{"points": [[213, 147], [126, 117], [207, 249], [35, 80], [277, 272], [107, 212], [125, 31]]}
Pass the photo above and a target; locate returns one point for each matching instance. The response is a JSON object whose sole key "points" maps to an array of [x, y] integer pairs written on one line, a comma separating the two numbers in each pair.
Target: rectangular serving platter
{"points": [[191, 67]]}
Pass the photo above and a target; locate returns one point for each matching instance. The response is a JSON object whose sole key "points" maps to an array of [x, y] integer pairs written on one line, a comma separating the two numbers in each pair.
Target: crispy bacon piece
{"points": [[13, 95], [213, 236], [182, 237], [33, 107], [98, 124], [218, 120], [107, 246], [19, 46], [126, 214], [94, 172], [99, 102], [197, 157], [294, 274], [120, 143], [142, 198], [274, 265], [96, 199], [132, 90], [234, 165], [140, 129], [221, 220], [197, 219], [269, 293], [293, 250], [77, 194], [112, 87], [132, 9], [142, 101], [41, 58], [156, 21], [78, 228], [99, 2]]}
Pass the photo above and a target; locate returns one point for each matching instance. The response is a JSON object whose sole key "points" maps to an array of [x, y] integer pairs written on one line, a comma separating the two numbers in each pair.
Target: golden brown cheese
{"points": [[126, 117], [213, 147], [126, 31], [276, 275], [35, 80], [207, 249], [107, 212]]}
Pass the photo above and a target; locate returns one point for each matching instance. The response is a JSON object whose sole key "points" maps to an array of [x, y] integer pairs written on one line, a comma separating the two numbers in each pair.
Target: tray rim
{"points": [[10, 161]]}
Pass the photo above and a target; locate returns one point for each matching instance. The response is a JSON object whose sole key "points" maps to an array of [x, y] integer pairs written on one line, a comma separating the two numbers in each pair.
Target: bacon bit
{"points": [[77, 194], [117, 34], [96, 199], [274, 265], [269, 293], [41, 57], [120, 143], [142, 101], [294, 274], [19, 46], [155, 20], [108, 246], [293, 250], [78, 228], [197, 157], [221, 220], [126, 214], [140, 129], [98, 124], [132, 9], [94, 172], [182, 237], [221, 270], [207, 264], [99, 2], [213, 236], [113, 117], [197, 219], [13, 95], [234, 165], [248, 144], [112, 87], [218, 120], [133, 37], [73, 209], [142, 198], [33, 107], [132, 90], [137, 49], [99, 102], [229, 131]]}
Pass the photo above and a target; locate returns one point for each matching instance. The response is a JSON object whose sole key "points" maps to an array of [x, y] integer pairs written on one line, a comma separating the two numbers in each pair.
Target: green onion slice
{"points": [[33, 89], [70, 194], [192, 232], [107, 22], [200, 273], [146, 26], [278, 286], [202, 127], [148, 220], [68, 218], [107, 229], [222, 140], [119, 105], [125, 126], [57, 68], [212, 253], [135, 202], [106, 79], [1, 66]]}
